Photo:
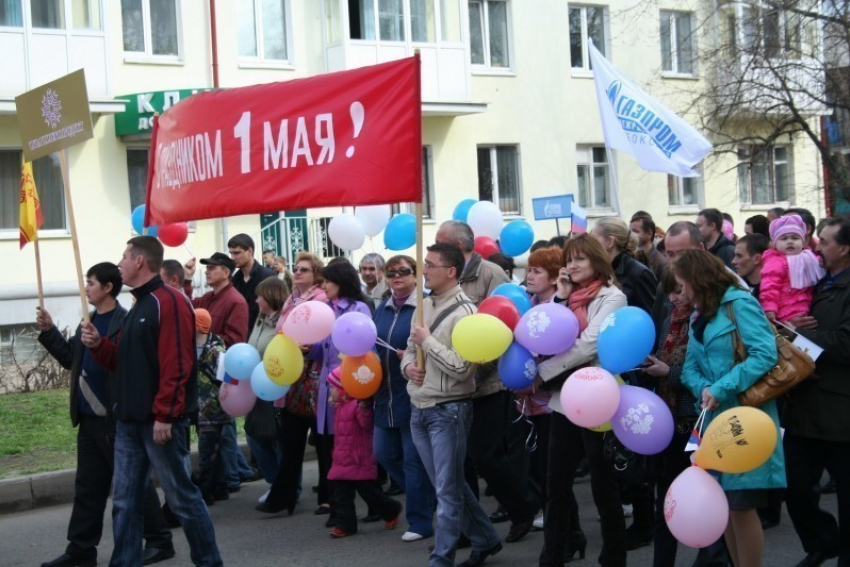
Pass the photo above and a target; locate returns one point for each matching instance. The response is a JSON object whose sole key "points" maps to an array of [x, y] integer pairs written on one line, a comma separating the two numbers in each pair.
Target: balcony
{"points": [[357, 33], [44, 40]]}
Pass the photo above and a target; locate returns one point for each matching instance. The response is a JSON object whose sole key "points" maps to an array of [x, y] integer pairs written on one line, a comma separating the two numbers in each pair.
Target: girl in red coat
{"points": [[354, 466]]}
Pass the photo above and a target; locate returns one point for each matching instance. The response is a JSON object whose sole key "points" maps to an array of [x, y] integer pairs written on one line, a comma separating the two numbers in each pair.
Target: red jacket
{"points": [[229, 313], [353, 456]]}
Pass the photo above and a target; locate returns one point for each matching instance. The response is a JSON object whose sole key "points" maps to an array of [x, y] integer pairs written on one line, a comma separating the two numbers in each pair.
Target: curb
{"points": [[55, 488]]}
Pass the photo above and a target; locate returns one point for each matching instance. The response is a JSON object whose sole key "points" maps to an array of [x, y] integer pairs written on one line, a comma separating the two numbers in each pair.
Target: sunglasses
{"points": [[403, 272], [302, 270]]}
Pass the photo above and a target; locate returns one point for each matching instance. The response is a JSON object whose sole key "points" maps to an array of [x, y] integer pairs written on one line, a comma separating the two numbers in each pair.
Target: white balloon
{"points": [[346, 232], [485, 219], [373, 218]]}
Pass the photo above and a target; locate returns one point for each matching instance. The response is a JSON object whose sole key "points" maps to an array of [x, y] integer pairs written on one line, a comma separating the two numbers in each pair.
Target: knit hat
{"points": [[334, 378], [787, 225], [203, 320]]}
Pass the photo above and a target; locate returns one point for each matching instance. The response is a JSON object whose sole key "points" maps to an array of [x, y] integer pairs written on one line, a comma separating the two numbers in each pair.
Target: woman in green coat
{"points": [[715, 377]]}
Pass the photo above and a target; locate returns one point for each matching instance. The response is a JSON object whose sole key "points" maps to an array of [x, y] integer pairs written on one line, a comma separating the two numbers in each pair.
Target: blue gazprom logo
{"points": [[638, 121]]}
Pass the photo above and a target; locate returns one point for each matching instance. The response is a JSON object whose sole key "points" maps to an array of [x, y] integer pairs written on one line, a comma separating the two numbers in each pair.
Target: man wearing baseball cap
{"points": [[227, 307]]}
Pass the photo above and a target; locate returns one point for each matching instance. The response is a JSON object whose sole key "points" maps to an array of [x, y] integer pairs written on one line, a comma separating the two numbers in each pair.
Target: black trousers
{"points": [[371, 493], [324, 454], [210, 462], [293, 431], [93, 482], [565, 442], [488, 449], [533, 439], [805, 461]]}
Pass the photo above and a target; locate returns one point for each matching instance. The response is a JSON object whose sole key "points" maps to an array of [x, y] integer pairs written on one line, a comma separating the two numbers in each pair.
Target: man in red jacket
{"points": [[227, 307], [153, 359]]}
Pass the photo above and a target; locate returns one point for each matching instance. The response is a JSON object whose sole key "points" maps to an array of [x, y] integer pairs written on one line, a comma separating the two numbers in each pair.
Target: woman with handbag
{"points": [[296, 412], [394, 446], [588, 286], [715, 375]]}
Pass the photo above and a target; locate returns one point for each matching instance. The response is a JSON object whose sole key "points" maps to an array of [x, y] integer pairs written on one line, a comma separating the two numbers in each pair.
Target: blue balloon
{"points": [[626, 339], [400, 233], [516, 294], [516, 238], [240, 360], [264, 388], [517, 367], [138, 220], [462, 209]]}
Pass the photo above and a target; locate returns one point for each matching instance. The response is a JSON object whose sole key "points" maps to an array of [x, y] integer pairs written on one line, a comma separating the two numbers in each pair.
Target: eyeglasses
{"points": [[302, 270], [430, 266], [403, 272]]}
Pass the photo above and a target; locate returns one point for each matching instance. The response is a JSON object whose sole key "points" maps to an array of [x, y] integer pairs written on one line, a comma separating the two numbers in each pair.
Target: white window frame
{"points": [[585, 70], [14, 233], [494, 168], [486, 68], [674, 45], [147, 56], [748, 204], [584, 156], [259, 61], [760, 10], [699, 189], [427, 189]]}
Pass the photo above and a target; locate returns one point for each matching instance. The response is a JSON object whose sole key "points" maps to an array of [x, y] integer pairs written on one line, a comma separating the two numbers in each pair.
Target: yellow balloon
{"points": [[283, 360], [481, 338], [737, 441], [605, 427]]}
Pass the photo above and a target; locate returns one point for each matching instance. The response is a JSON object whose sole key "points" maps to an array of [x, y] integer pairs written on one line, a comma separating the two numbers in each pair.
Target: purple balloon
{"points": [[354, 334], [548, 328], [642, 422]]}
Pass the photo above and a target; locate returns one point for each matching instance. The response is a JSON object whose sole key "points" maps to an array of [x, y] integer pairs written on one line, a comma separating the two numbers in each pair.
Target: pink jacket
{"points": [[776, 293], [353, 456]]}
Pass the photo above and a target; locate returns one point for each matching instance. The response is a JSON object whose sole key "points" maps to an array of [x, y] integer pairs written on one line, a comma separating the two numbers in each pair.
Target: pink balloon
{"points": [[695, 508], [237, 399], [590, 397], [309, 323]]}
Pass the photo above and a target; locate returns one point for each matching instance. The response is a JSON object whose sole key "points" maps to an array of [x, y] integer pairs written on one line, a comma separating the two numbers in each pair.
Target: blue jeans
{"points": [[440, 434], [396, 452], [135, 452], [236, 466], [268, 456]]}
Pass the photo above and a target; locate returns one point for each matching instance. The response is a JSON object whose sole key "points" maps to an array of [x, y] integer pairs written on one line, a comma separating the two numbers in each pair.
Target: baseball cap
{"points": [[219, 259]]}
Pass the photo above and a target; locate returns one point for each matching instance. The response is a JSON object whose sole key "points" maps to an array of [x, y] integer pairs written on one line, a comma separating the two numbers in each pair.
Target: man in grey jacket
{"points": [[441, 411]]}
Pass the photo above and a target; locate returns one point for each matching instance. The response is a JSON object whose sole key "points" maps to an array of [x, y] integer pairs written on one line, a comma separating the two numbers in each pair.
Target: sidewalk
{"points": [[53, 488]]}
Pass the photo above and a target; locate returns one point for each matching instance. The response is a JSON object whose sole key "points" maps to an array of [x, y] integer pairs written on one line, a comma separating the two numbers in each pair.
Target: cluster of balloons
{"points": [[354, 335], [172, 235], [487, 223], [349, 231]]}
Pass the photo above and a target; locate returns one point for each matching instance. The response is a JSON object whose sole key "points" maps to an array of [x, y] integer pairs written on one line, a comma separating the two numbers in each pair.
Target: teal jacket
{"points": [[711, 364]]}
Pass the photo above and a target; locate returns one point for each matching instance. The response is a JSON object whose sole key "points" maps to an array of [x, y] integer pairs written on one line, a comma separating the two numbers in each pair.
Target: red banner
{"points": [[341, 139]]}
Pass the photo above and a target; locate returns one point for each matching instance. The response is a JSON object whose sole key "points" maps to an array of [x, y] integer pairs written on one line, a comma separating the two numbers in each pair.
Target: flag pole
{"points": [[66, 180], [420, 262], [615, 180], [38, 273]]}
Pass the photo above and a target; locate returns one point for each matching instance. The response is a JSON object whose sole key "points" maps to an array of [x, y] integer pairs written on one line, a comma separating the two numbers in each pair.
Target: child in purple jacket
{"points": [[354, 466]]}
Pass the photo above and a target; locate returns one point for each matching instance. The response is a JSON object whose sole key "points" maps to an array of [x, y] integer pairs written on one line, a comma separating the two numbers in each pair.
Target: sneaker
{"points": [[538, 522], [338, 533], [408, 537], [265, 495]]}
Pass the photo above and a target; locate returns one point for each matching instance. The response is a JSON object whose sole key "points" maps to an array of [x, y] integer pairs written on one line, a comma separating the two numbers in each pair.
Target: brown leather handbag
{"points": [[792, 367]]}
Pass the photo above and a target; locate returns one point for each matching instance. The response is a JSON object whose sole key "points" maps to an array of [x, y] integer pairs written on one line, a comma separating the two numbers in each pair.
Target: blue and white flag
{"points": [[636, 123]]}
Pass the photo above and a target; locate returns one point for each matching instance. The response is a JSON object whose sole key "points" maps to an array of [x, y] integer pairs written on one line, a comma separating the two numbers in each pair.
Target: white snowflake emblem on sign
{"points": [[638, 420], [530, 370], [538, 322], [610, 321], [364, 375], [50, 107]]}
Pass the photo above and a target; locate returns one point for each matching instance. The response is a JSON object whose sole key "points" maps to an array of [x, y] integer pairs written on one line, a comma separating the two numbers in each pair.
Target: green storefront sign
{"points": [[138, 114]]}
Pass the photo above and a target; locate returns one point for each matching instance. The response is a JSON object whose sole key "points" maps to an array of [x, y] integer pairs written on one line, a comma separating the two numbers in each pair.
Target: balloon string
{"points": [[384, 344], [191, 254], [531, 440]]}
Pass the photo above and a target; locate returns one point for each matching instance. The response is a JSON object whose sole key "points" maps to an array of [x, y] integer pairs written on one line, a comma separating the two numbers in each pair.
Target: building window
{"points": [[488, 33], [498, 177], [48, 14], [385, 20], [772, 33], [677, 43], [18, 344], [586, 22], [11, 14], [764, 174], [151, 27], [594, 186], [48, 182], [137, 175], [263, 30], [427, 189], [423, 27], [682, 191], [85, 14]]}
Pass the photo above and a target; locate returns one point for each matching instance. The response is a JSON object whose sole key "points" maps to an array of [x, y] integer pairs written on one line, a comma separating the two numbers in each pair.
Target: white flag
{"points": [[636, 123]]}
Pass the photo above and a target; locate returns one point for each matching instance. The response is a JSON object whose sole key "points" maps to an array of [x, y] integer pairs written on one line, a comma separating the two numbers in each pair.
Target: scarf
{"points": [[399, 300], [580, 298], [672, 351], [804, 270]]}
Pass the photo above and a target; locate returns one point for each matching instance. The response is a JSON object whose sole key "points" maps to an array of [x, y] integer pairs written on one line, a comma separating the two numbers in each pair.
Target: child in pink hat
{"points": [[790, 271]]}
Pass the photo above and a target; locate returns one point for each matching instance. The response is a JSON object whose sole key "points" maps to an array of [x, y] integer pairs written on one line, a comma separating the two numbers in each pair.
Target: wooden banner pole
{"points": [[38, 273], [66, 180], [420, 296]]}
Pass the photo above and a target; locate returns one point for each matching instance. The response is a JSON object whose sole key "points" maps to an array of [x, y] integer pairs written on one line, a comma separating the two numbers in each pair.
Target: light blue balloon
{"points": [[138, 220], [240, 360], [517, 367], [516, 294], [400, 233], [626, 339], [263, 387], [461, 211], [516, 238]]}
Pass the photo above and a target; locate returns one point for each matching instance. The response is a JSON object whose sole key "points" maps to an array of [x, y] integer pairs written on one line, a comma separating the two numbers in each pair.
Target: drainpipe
{"points": [[214, 46], [827, 197]]}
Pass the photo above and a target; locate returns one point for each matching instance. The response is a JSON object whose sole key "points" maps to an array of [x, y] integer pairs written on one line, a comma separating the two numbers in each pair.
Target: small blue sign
{"points": [[553, 207]]}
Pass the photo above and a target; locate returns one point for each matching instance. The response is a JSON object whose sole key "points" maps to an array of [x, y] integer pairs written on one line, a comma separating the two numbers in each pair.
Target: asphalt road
{"points": [[249, 538]]}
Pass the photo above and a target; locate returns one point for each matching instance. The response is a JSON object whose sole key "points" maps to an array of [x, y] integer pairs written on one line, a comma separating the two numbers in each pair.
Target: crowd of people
{"points": [[438, 423]]}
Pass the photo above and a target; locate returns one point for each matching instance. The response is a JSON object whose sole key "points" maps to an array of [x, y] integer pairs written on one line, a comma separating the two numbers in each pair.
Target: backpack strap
{"points": [[448, 311]]}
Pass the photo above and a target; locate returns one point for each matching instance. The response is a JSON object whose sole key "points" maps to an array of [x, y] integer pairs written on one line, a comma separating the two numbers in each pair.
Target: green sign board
{"points": [[138, 114]]}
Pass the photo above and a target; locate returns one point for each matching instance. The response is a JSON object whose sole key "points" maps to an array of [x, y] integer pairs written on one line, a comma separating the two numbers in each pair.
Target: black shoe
{"points": [[583, 469], [635, 538], [315, 489], [331, 521], [233, 489], [253, 477], [463, 542], [267, 508], [223, 495], [577, 544], [766, 524], [816, 558], [477, 558], [499, 516], [370, 517], [322, 510], [156, 554], [394, 490], [66, 560], [519, 530], [829, 487], [171, 520]]}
